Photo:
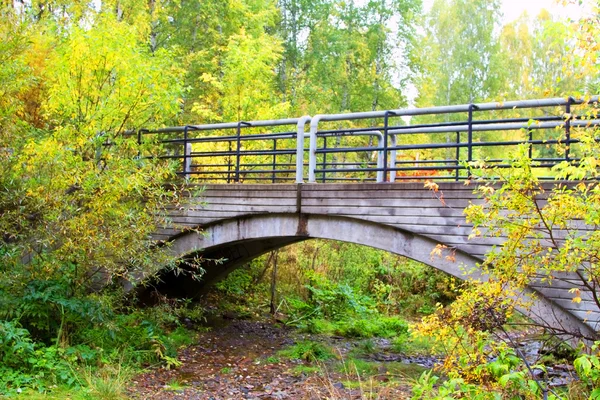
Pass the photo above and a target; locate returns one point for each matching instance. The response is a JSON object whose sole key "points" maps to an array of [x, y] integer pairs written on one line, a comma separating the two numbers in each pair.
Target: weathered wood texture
{"points": [[408, 207]]}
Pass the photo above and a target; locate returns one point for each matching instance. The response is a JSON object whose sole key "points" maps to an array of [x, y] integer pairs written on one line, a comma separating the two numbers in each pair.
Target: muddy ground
{"points": [[239, 360]]}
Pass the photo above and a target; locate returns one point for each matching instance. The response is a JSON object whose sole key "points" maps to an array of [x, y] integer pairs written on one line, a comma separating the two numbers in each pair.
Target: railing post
{"points": [[324, 158], [312, 154], [385, 144], [229, 162], [470, 132], [393, 155], [184, 165], [238, 150], [300, 148], [274, 160], [238, 155], [530, 151], [139, 141], [457, 172], [568, 128]]}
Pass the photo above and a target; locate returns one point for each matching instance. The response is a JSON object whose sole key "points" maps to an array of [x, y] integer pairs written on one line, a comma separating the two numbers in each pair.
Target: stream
{"points": [[239, 359]]}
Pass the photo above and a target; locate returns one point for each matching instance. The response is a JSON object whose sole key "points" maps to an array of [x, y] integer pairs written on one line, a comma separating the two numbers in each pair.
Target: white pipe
{"points": [[187, 164], [552, 102], [557, 101], [300, 148], [497, 127]]}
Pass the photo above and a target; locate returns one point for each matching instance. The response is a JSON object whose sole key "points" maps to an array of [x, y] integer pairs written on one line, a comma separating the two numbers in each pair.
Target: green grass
{"points": [[410, 345], [175, 385], [59, 393], [181, 337], [106, 383], [308, 351], [356, 367], [306, 369]]}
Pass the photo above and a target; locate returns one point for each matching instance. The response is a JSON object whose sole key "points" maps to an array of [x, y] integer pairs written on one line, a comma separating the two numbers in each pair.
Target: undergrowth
{"points": [[50, 339]]}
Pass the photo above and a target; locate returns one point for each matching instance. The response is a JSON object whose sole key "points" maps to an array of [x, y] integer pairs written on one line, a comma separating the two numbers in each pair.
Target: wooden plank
{"points": [[248, 194], [383, 211], [387, 194], [210, 213], [384, 203], [564, 293], [591, 318], [380, 186], [248, 186], [248, 208], [252, 200]]}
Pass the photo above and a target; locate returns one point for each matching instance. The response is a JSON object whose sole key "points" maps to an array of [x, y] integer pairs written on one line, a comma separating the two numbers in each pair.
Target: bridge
{"points": [[255, 187]]}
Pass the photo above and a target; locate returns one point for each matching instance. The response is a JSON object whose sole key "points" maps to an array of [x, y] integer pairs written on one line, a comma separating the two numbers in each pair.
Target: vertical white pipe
{"points": [[187, 165], [380, 175], [300, 148]]}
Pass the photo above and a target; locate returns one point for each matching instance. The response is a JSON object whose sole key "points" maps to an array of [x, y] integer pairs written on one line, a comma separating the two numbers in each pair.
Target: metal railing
{"points": [[381, 146]]}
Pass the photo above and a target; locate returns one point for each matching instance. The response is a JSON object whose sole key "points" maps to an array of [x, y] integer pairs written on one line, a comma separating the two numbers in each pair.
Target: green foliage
{"points": [[308, 351], [95, 341], [27, 364], [355, 367], [372, 327], [508, 384], [588, 370], [337, 301], [237, 283]]}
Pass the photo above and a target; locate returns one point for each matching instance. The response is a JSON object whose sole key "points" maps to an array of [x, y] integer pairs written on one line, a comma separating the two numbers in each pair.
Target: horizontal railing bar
{"points": [[242, 171], [496, 127], [265, 136], [477, 107], [225, 125], [258, 178], [552, 102], [482, 122]]}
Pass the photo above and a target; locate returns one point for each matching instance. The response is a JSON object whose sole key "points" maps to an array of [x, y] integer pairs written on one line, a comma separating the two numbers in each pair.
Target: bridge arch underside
{"points": [[239, 240]]}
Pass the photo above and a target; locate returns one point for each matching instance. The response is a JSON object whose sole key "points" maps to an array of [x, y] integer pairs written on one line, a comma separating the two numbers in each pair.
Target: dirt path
{"points": [[239, 361]]}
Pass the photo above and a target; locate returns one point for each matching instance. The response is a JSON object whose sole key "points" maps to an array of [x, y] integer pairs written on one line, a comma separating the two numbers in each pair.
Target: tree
{"points": [[548, 234], [535, 57], [459, 53], [78, 204], [339, 55]]}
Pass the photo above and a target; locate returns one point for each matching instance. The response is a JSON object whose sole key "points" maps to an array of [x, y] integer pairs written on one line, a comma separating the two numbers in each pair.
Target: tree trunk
{"points": [[274, 282]]}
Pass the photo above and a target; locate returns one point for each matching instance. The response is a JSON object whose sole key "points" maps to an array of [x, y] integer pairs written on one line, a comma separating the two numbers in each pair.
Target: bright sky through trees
{"points": [[512, 9]]}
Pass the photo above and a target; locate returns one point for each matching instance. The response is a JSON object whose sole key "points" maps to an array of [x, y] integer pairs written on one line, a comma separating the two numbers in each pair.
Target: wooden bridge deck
{"points": [[408, 208]]}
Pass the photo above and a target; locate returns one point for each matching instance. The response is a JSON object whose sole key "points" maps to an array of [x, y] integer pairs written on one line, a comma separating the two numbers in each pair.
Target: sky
{"points": [[512, 9]]}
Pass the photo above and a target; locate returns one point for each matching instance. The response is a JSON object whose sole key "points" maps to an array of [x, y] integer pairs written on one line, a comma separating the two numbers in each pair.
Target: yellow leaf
{"points": [[577, 292], [431, 185]]}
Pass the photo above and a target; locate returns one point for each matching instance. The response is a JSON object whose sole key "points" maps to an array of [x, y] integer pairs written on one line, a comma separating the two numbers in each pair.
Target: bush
{"points": [[27, 364]]}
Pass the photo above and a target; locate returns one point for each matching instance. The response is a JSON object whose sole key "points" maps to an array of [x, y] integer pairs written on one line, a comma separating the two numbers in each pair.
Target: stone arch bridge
{"points": [[365, 188]]}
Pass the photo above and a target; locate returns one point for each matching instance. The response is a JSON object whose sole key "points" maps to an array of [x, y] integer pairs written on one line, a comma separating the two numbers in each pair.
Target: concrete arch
{"points": [[244, 238], [260, 233]]}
